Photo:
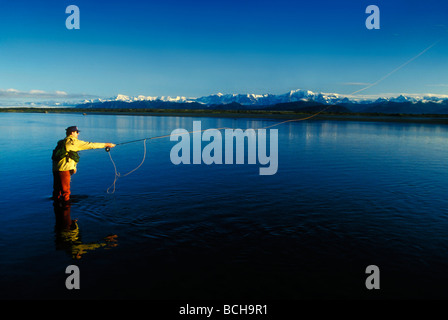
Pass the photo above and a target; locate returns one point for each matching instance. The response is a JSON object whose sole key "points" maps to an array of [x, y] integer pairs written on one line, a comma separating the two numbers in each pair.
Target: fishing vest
{"points": [[61, 151]]}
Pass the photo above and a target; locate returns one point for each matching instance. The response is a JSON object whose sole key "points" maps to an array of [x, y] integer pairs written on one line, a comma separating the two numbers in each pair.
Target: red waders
{"points": [[61, 185]]}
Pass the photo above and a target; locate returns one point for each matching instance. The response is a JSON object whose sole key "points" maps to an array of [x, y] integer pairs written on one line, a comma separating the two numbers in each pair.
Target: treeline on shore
{"points": [[249, 112]]}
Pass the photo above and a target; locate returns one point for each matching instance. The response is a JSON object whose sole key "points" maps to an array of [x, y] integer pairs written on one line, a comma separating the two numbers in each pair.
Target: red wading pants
{"points": [[61, 185]]}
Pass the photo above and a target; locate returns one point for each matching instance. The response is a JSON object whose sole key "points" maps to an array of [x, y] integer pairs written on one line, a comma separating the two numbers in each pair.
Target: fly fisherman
{"points": [[65, 158]]}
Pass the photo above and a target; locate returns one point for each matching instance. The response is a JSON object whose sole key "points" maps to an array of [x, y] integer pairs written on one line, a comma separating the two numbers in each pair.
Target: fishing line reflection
{"points": [[68, 237]]}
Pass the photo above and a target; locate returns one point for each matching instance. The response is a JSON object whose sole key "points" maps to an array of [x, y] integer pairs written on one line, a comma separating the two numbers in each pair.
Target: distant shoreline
{"points": [[285, 115]]}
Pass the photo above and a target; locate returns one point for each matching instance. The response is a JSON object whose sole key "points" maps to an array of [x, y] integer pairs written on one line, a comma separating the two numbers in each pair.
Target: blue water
{"points": [[346, 195]]}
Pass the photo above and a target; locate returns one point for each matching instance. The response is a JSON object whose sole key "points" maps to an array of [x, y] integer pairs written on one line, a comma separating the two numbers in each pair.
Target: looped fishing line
{"points": [[118, 175]]}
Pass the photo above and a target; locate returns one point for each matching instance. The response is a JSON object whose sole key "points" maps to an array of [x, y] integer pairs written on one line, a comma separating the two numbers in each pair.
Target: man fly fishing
{"points": [[65, 158]]}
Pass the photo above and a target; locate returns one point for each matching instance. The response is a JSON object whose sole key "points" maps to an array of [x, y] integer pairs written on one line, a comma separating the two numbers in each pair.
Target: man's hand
{"points": [[110, 145]]}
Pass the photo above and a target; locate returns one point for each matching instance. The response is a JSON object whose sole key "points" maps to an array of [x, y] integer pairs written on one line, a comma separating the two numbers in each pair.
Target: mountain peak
{"points": [[122, 97]]}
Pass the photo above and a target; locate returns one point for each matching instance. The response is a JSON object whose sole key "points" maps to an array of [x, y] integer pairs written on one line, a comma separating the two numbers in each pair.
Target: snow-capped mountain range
{"points": [[272, 99], [292, 100]]}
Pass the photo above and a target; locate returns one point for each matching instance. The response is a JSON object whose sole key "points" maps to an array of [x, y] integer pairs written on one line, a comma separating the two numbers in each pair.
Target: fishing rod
{"points": [[118, 144], [159, 137]]}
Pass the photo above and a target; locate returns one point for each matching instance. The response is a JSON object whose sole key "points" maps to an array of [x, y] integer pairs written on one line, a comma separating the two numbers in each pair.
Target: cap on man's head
{"points": [[69, 130]]}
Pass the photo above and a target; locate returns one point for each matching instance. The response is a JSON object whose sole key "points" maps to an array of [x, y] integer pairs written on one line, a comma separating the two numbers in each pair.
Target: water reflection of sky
{"points": [[351, 191]]}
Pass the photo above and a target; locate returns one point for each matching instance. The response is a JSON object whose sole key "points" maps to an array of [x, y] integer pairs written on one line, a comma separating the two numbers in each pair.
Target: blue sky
{"points": [[197, 48]]}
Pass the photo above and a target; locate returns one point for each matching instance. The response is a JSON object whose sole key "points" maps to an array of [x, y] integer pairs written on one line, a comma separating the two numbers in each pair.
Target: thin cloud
{"points": [[41, 94], [37, 92]]}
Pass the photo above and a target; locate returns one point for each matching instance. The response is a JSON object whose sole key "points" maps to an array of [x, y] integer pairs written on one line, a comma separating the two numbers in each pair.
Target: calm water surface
{"points": [[346, 195]]}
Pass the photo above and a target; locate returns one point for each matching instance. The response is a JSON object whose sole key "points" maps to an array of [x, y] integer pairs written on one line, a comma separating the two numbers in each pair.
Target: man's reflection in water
{"points": [[68, 237]]}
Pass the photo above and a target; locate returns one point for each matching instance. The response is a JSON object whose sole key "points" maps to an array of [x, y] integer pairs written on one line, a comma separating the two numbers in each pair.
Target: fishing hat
{"points": [[71, 129]]}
